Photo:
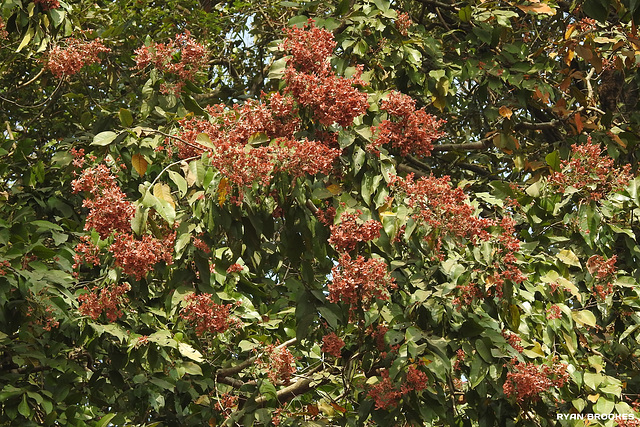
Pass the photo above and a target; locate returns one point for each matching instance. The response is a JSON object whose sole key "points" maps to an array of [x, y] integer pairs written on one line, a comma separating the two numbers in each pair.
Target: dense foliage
{"points": [[422, 212]]}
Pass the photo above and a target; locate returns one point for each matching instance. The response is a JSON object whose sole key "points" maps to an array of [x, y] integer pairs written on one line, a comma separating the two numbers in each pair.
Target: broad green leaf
{"points": [[104, 138], [584, 317], [569, 258]]}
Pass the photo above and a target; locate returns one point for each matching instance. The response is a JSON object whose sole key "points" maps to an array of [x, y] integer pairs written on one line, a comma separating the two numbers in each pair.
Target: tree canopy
{"points": [[418, 212]]}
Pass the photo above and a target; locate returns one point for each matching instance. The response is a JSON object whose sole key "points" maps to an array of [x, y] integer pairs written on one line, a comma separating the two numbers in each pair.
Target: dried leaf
{"points": [[539, 8], [505, 112], [139, 164], [223, 190], [579, 124], [163, 192]]}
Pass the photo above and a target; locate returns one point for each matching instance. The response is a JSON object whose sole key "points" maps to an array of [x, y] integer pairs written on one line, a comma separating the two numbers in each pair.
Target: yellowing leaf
{"points": [[223, 190], [539, 8], [505, 112], [139, 164], [570, 30], [584, 317], [593, 398], [335, 189], [566, 256], [163, 192]]}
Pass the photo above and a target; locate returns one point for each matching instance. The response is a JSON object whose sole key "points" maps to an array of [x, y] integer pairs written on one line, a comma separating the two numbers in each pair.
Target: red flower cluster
{"points": [[235, 268], [310, 48], [137, 257], [403, 22], [604, 273], [3, 32], [346, 235], [108, 301], [443, 208], [590, 171], [332, 344], [387, 396], [280, 364], [69, 60], [312, 82], [457, 365], [513, 340], [358, 282], [86, 253], [529, 380], [206, 316], [226, 403], [468, 293], [326, 216], [554, 312], [409, 130], [4, 264], [108, 211], [48, 4], [242, 162], [183, 57]]}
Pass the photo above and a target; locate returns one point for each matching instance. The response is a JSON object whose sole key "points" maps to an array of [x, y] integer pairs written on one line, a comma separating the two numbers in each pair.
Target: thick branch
{"points": [[293, 390], [553, 124], [437, 3], [232, 370], [478, 145]]}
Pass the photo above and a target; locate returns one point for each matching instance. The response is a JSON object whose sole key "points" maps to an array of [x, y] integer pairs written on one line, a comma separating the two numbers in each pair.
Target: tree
{"points": [[301, 213]]}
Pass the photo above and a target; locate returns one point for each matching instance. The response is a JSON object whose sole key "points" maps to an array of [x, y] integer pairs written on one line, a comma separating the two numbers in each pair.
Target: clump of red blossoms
{"points": [[358, 282], [403, 22], [528, 381], [280, 364], [444, 208], [226, 404], [137, 257], [408, 130], [554, 312], [87, 252], [310, 79], [48, 4], [513, 340], [346, 235], [332, 344], [604, 274], [206, 316], [589, 170], [108, 211], [108, 300], [387, 396], [69, 59], [183, 57], [3, 32]]}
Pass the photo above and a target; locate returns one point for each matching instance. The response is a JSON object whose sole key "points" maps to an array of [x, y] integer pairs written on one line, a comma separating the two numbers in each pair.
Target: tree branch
{"points": [[553, 124], [293, 390], [478, 145]]}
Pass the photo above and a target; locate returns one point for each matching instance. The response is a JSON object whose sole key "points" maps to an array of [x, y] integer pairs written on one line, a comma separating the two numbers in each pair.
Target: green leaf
{"points": [[104, 421], [104, 138], [26, 39], [268, 390], [24, 408], [126, 118], [584, 317]]}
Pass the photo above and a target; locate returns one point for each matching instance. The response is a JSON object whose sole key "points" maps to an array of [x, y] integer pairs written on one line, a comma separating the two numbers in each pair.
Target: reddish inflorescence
{"points": [[387, 396], [444, 208], [528, 381], [68, 60], [107, 300], [403, 22], [513, 340], [332, 344], [137, 257], [206, 316], [183, 57], [604, 272], [108, 211], [408, 130], [592, 171], [554, 312], [310, 79], [346, 235], [3, 31], [358, 282], [280, 364], [226, 404], [48, 4]]}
